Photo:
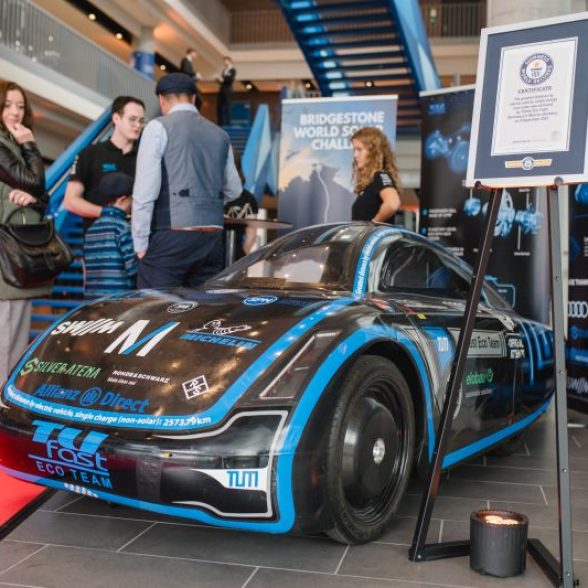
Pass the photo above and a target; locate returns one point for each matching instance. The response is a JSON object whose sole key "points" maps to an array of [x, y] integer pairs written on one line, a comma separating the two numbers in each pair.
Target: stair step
{"points": [[364, 67], [366, 56], [322, 8], [373, 77], [71, 276], [57, 303], [315, 19], [59, 289], [350, 45], [354, 32]]}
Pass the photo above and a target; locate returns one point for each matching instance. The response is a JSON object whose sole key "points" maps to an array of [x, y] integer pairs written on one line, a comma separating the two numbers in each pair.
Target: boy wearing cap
{"points": [[110, 261]]}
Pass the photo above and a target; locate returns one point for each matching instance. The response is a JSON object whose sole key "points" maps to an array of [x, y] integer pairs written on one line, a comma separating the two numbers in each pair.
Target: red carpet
{"points": [[15, 496]]}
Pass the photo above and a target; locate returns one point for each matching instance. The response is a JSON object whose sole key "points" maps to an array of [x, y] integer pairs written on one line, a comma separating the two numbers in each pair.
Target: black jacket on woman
{"points": [[21, 168]]}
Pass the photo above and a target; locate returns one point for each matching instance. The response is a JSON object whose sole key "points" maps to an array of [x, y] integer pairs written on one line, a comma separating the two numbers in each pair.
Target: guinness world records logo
{"points": [[536, 69]]}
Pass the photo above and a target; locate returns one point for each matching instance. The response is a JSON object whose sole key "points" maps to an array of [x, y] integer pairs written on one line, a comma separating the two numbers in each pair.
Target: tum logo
{"points": [[129, 340], [243, 478]]}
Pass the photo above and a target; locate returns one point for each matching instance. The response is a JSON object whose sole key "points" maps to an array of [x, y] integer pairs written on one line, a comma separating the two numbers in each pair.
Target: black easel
{"points": [[560, 573]]}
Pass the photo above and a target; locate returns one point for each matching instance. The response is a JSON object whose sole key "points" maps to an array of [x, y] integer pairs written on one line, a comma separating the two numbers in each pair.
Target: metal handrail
{"points": [[34, 33], [463, 19]]}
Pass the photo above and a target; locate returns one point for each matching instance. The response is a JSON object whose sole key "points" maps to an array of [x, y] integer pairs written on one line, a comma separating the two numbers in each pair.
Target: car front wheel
{"points": [[370, 450]]}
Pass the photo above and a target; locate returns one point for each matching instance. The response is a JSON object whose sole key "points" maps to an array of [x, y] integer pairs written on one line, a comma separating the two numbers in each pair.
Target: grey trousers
{"points": [[15, 326]]}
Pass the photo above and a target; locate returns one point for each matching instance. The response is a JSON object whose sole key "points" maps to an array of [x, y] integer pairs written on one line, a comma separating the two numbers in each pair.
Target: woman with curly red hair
{"points": [[376, 177]]}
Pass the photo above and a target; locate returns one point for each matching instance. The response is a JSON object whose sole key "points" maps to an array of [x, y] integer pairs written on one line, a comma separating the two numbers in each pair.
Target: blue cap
{"points": [[175, 83], [113, 186]]}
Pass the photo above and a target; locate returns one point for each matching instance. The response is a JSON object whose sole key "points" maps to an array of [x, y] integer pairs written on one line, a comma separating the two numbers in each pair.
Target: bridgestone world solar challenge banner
{"points": [[315, 183]]}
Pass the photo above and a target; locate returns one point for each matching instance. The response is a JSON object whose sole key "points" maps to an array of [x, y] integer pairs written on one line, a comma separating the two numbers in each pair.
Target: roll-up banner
{"points": [[577, 344], [315, 183], [454, 215]]}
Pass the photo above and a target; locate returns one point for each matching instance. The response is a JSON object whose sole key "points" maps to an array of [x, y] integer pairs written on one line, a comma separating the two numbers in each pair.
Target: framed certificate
{"points": [[530, 109]]}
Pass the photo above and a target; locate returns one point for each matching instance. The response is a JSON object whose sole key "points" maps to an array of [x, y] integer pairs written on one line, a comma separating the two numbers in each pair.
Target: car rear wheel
{"points": [[370, 450]]}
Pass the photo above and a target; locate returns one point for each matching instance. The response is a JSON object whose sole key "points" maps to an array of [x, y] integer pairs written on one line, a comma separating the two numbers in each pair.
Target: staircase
{"points": [[238, 136], [359, 47], [68, 288]]}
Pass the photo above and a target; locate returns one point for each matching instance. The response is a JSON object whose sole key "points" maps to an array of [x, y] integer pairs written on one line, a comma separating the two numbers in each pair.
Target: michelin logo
{"points": [[214, 333]]}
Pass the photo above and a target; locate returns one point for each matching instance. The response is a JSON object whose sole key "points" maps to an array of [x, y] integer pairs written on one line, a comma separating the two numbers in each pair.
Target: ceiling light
{"points": [[249, 86], [119, 36], [369, 84], [92, 16], [163, 67]]}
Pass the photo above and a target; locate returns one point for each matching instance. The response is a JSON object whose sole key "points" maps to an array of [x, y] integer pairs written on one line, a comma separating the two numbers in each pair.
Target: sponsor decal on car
{"points": [[251, 479], [516, 347], [94, 396], [259, 300], [195, 387], [179, 307], [128, 342], [131, 378], [479, 378], [578, 385], [67, 452], [79, 328], [483, 343], [215, 333], [35, 365]]}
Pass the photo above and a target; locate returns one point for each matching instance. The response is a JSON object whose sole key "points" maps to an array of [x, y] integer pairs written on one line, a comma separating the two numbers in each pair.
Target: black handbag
{"points": [[31, 254]]}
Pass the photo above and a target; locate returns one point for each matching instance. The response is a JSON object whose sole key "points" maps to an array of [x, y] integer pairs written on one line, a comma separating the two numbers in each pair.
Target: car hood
{"points": [[161, 361]]}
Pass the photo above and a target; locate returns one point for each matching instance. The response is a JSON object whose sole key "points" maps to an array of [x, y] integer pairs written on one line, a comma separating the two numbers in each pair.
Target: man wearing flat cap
{"points": [[185, 175]]}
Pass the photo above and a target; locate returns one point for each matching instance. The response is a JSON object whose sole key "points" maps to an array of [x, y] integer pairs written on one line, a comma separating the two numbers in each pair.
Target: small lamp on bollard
{"points": [[498, 542]]}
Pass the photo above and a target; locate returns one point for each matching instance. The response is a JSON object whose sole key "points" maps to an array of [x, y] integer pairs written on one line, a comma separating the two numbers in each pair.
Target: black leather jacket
{"points": [[29, 177]]}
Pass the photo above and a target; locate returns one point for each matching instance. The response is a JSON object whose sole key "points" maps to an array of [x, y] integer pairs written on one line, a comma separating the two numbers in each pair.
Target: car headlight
{"points": [[288, 381]]}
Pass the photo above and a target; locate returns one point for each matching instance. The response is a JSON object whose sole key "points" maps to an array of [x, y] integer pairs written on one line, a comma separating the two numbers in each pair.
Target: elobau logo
{"points": [[479, 378], [578, 309]]}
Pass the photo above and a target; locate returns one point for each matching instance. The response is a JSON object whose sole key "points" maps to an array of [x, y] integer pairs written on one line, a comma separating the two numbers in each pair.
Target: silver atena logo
{"points": [[536, 69], [578, 309]]}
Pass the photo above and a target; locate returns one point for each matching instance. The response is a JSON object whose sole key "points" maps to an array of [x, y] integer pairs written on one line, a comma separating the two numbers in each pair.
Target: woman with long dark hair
{"points": [[376, 177], [22, 183]]}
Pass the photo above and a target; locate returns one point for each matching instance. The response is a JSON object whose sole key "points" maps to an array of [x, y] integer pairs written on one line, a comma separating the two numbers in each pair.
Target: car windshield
{"points": [[318, 258]]}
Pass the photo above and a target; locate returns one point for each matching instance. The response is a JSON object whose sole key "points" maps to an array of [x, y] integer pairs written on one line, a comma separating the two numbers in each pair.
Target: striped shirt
{"points": [[109, 258]]}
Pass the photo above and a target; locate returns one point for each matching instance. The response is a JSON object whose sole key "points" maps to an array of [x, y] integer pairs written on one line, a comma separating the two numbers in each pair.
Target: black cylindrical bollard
{"points": [[498, 542]]}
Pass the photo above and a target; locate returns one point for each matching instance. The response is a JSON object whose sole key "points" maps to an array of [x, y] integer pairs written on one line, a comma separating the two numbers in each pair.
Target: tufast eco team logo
{"points": [[536, 69], [72, 454]]}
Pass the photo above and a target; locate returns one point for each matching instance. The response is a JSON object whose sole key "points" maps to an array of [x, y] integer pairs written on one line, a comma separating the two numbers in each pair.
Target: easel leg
{"points": [[417, 551], [561, 405]]}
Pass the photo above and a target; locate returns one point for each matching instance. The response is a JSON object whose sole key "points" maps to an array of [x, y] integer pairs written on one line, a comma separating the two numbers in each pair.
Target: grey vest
{"points": [[192, 174]]}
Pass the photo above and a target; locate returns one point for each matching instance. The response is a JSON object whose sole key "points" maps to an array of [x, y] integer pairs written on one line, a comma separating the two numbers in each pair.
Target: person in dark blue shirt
{"points": [[109, 258]]}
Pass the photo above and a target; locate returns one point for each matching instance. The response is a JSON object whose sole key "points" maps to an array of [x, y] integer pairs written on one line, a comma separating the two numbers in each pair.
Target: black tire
{"points": [[370, 450], [509, 446]]}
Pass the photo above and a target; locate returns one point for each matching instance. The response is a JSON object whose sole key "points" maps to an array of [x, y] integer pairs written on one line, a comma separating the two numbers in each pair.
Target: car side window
{"points": [[419, 268]]}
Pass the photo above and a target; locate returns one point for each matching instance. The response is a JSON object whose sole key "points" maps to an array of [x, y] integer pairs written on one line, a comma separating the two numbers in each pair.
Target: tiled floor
{"points": [[76, 542]]}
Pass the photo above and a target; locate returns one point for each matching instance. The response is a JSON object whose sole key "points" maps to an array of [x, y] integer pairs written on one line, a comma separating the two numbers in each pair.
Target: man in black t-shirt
{"points": [[116, 154]]}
